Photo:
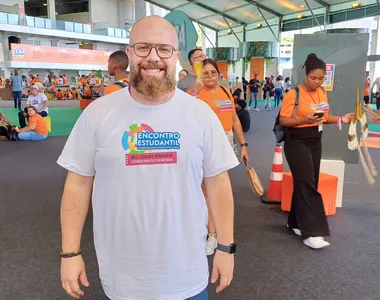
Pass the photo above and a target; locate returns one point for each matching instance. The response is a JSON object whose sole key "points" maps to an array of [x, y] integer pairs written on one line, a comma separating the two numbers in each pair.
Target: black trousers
{"points": [[303, 151]]}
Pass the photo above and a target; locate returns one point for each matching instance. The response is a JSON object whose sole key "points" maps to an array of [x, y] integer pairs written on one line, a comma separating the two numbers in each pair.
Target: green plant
{"points": [[246, 62], [268, 61], [233, 64]]}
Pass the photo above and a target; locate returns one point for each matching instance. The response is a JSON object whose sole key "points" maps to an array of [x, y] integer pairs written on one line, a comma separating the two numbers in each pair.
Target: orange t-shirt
{"points": [[114, 87], [221, 104], [40, 123], [59, 96], [65, 81], [74, 94], [309, 102], [88, 93], [52, 88], [366, 87]]}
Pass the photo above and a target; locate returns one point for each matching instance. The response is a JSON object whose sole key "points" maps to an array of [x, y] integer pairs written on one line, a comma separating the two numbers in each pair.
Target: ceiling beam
{"points": [[217, 12], [194, 20], [258, 5], [321, 2]]}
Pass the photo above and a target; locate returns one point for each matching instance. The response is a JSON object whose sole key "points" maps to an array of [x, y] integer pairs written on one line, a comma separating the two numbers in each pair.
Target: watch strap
{"points": [[228, 249]]}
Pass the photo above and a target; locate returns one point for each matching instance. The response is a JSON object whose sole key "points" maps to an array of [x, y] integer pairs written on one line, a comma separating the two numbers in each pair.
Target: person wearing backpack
{"points": [[303, 113], [117, 66], [221, 102]]}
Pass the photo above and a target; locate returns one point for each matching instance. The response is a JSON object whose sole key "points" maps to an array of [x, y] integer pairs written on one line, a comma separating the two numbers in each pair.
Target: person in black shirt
{"points": [[254, 85], [245, 85], [244, 117]]}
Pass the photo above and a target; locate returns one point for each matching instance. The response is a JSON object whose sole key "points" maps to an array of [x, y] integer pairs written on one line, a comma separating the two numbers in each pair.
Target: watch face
{"points": [[232, 248]]}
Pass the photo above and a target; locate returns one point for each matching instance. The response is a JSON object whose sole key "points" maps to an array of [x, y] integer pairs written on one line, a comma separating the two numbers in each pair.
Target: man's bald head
{"points": [[154, 30]]}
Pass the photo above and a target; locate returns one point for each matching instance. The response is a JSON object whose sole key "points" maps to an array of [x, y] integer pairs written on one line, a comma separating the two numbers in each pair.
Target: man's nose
{"points": [[153, 55]]}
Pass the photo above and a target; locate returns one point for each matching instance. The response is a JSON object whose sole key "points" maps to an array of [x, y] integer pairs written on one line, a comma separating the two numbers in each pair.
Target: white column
{"points": [[51, 9], [335, 168], [140, 9], [374, 67]]}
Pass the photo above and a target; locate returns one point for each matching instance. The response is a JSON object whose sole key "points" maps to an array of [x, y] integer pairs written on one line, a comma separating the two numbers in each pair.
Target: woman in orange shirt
{"points": [[303, 151], [36, 130], [221, 101]]}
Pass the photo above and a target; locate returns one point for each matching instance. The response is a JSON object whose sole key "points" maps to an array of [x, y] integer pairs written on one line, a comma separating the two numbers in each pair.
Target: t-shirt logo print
{"points": [[223, 105], [145, 146]]}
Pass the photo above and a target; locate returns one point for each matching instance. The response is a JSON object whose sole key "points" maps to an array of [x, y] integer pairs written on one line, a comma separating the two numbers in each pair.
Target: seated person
{"points": [[52, 90], [237, 94], [74, 94], [59, 95], [68, 95], [36, 130], [5, 127], [89, 93], [36, 99], [244, 117]]}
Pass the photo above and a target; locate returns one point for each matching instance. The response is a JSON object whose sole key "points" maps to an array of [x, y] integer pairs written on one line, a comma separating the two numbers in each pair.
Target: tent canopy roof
{"points": [[216, 13]]}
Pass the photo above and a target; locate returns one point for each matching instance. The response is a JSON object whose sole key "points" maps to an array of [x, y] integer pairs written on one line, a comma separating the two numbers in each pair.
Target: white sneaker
{"points": [[256, 109], [249, 108], [316, 242], [296, 231], [211, 245]]}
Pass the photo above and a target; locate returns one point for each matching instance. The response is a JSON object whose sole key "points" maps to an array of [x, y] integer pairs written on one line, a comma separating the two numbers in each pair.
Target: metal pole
{"points": [[244, 40], [327, 12], [231, 29], [312, 13], [266, 22], [200, 27]]}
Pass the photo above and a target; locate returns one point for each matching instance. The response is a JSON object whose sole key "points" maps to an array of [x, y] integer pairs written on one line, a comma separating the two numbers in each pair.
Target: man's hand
{"points": [[224, 267], [73, 269], [244, 154]]}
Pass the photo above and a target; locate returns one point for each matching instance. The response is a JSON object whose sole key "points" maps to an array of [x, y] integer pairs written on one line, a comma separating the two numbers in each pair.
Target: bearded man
{"points": [[143, 153]]}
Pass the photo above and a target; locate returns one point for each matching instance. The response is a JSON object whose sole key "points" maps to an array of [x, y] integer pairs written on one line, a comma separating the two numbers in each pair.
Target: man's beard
{"points": [[151, 86]]}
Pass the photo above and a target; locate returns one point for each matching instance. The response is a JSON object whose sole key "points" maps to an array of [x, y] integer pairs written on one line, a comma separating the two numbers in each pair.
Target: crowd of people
{"points": [[181, 144]]}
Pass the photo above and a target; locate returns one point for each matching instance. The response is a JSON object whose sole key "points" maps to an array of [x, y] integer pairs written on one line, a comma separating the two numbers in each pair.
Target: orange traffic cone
{"points": [[274, 194]]}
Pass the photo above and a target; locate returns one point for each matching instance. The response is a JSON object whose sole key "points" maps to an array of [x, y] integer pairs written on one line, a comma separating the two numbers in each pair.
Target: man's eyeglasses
{"points": [[213, 73], [143, 50]]}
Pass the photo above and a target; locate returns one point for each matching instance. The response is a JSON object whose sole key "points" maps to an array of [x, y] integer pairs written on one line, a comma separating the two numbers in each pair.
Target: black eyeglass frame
{"points": [[155, 47]]}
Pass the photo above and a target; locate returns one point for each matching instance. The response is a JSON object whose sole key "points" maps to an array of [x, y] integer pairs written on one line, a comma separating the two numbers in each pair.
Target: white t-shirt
{"points": [[37, 101], [150, 215], [278, 84]]}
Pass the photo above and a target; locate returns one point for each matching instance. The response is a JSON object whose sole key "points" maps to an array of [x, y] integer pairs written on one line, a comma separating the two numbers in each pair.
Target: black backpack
{"points": [[279, 130], [122, 84]]}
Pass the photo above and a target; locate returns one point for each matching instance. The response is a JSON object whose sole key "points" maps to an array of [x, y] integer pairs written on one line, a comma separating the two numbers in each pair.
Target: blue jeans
{"points": [[277, 96], [17, 96], [254, 96], [202, 296], [31, 136]]}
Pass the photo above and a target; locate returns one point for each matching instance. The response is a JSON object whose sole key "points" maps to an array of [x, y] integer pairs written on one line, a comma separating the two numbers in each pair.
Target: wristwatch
{"points": [[231, 249], [244, 145]]}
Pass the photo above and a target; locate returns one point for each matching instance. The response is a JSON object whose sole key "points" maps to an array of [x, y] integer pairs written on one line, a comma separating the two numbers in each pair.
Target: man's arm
{"points": [[74, 207], [44, 106], [220, 199]]}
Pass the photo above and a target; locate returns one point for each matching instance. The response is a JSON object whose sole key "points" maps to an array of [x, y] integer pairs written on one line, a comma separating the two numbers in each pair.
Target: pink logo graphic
{"points": [[151, 159]]}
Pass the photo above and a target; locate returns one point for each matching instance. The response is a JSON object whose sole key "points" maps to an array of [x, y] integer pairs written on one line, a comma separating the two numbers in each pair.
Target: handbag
{"points": [[256, 185]]}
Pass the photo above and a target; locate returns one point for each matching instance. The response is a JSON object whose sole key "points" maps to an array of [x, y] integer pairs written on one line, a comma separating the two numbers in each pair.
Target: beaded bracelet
{"points": [[70, 254]]}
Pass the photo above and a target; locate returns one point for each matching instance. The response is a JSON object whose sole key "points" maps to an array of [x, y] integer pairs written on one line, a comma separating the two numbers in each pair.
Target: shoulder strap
{"points": [[122, 84], [224, 90], [297, 101], [323, 89]]}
